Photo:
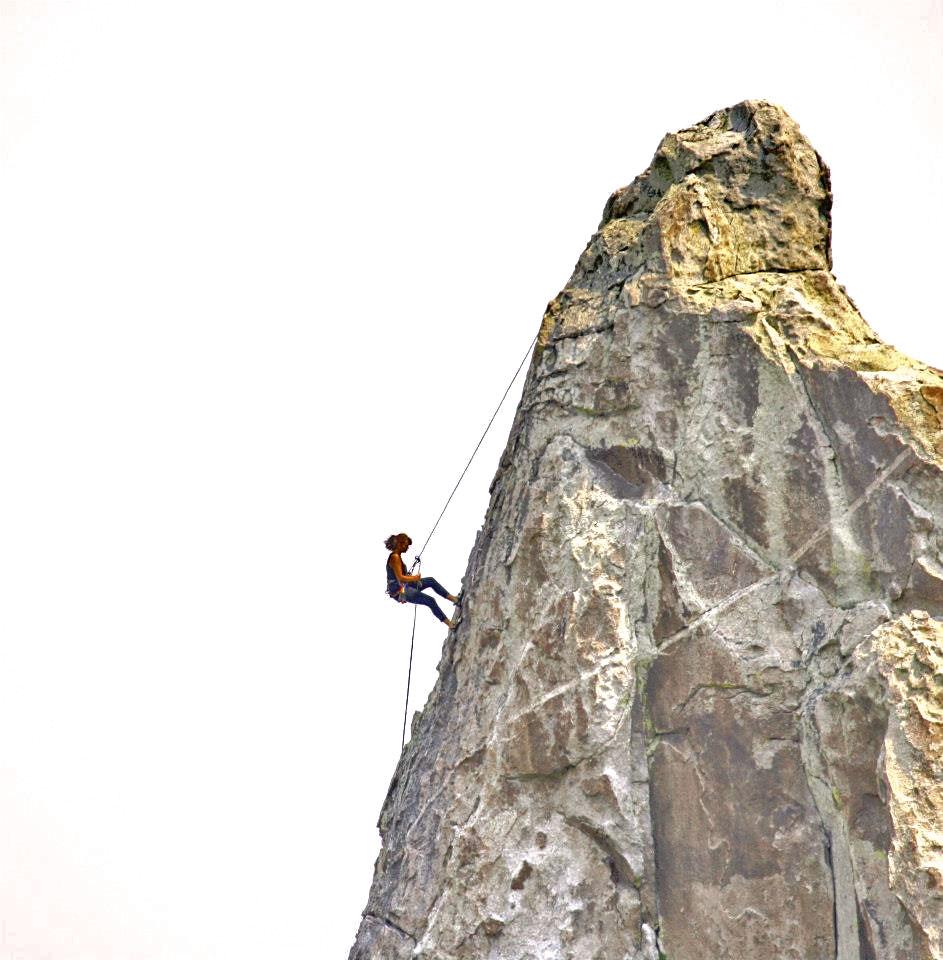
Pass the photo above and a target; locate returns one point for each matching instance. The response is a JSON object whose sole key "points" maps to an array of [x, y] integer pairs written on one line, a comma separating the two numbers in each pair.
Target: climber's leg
{"points": [[412, 595], [439, 589]]}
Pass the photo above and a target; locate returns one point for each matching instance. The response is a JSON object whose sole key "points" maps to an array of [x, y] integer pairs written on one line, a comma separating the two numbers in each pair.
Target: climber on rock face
{"points": [[407, 587]]}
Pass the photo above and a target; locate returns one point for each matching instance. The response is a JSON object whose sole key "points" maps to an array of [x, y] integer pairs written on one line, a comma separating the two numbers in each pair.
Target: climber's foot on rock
{"points": [[453, 599]]}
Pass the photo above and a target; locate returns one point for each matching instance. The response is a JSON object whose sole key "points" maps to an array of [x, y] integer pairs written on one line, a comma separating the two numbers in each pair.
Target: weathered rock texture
{"points": [[695, 706]]}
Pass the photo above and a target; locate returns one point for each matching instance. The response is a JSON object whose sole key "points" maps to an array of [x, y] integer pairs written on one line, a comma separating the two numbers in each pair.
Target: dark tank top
{"points": [[392, 584]]}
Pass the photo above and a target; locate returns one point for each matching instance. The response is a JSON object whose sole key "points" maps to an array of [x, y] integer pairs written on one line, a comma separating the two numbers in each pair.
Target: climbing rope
{"points": [[418, 559], [409, 676], [507, 390]]}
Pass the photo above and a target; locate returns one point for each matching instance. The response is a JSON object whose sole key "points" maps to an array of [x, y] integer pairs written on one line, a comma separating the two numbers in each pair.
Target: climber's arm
{"points": [[401, 574]]}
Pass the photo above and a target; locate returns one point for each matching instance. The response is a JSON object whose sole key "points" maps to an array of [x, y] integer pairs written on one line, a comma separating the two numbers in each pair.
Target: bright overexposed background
{"points": [[265, 269]]}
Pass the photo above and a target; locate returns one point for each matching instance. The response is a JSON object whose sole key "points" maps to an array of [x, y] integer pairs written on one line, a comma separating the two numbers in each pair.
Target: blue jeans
{"points": [[413, 594]]}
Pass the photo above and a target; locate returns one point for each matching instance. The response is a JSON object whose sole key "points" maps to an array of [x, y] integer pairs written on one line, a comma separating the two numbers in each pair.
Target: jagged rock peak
{"points": [[694, 706], [741, 192]]}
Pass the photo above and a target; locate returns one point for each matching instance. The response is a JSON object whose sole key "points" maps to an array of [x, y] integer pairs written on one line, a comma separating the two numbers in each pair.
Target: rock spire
{"points": [[694, 708]]}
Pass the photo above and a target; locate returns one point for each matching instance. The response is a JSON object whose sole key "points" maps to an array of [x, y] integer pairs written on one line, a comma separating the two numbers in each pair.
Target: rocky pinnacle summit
{"points": [[694, 708]]}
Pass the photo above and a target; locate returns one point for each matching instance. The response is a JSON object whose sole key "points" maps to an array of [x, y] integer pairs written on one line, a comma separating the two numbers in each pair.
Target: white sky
{"points": [[264, 271]]}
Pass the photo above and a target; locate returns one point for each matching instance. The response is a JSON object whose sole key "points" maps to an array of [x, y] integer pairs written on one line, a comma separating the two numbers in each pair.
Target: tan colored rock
{"points": [[694, 705]]}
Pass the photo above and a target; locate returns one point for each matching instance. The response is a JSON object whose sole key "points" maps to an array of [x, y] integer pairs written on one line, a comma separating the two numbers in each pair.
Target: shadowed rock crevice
{"points": [[694, 707], [390, 925], [619, 869]]}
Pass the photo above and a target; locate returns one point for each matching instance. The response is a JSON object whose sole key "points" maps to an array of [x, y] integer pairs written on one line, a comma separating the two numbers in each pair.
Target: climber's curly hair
{"points": [[398, 542]]}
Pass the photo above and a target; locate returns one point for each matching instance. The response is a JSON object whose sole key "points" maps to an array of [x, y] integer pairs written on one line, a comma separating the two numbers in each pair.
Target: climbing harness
{"points": [[418, 560]]}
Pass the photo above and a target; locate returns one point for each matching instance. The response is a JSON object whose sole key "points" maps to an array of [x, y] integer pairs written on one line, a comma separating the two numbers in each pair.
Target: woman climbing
{"points": [[407, 587]]}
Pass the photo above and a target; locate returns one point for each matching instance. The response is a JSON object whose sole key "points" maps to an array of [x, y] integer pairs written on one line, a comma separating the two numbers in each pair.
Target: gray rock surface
{"points": [[694, 708]]}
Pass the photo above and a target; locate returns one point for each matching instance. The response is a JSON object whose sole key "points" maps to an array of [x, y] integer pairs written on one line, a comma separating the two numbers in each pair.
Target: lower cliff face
{"points": [[694, 708]]}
